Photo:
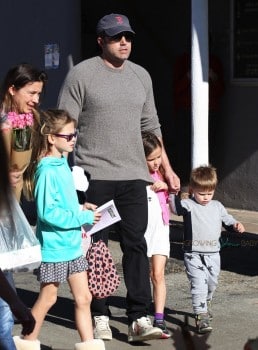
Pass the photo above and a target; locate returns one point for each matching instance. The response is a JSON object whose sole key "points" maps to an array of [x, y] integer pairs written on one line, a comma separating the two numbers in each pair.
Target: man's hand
{"points": [[173, 182]]}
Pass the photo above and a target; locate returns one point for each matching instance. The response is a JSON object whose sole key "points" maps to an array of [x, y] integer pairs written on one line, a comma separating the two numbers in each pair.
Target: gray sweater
{"points": [[202, 223], [112, 108]]}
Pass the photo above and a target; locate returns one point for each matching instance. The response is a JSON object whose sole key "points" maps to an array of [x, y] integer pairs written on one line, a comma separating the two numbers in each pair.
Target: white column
{"points": [[200, 83]]}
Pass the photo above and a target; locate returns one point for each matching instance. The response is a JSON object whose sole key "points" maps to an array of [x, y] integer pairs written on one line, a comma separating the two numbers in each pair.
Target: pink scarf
{"points": [[163, 198]]}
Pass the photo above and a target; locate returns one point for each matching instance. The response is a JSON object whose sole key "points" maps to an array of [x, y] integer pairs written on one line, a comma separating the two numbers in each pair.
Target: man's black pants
{"points": [[130, 198]]}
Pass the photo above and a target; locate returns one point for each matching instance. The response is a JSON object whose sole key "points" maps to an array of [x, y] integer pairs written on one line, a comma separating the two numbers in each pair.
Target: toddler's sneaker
{"points": [[203, 323], [252, 344], [142, 329], [101, 328], [162, 325]]}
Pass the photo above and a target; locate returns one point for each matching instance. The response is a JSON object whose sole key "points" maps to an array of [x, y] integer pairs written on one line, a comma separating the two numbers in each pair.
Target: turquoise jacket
{"points": [[59, 218]]}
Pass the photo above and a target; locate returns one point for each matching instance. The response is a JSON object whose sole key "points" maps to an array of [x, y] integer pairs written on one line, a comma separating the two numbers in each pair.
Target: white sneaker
{"points": [[101, 328], [142, 329]]}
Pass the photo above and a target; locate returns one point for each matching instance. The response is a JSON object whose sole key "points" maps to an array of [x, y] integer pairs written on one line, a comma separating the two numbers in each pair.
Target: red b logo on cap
{"points": [[119, 19]]}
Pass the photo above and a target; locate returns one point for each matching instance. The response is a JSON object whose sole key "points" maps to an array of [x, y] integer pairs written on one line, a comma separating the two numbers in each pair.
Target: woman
{"points": [[20, 94]]}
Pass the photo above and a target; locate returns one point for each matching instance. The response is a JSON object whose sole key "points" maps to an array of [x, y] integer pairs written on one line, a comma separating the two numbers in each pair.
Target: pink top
{"points": [[163, 199]]}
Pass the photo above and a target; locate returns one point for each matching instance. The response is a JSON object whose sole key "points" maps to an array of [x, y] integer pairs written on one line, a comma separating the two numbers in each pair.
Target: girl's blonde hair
{"points": [[204, 178], [48, 122]]}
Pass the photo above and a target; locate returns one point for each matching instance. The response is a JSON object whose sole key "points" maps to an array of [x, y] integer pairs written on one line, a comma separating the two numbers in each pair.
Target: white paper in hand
{"points": [[109, 216]]}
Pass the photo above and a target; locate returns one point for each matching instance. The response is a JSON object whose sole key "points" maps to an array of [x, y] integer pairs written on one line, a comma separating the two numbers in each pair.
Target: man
{"points": [[112, 98]]}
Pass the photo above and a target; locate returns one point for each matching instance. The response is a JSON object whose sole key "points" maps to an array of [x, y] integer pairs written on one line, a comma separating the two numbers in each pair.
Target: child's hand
{"points": [[239, 227], [159, 186], [89, 206], [93, 207], [97, 216]]}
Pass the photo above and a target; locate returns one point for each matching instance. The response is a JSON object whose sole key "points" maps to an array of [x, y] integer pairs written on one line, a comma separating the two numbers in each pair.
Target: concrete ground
{"points": [[235, 304]]}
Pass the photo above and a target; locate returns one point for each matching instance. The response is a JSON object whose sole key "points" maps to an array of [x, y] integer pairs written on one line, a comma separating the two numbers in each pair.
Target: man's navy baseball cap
{"points": [[113, 24]]}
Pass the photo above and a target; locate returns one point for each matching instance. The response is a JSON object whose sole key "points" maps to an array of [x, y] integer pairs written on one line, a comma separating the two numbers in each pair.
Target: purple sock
{"points": [[158, 316]]}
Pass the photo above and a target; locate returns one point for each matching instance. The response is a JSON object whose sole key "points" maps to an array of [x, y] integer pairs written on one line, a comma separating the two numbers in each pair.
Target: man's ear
{"points": [[100, 41]]}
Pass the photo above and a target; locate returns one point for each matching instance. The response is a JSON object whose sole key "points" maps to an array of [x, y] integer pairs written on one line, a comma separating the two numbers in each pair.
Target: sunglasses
{"points": [[128, 37], [68, 137]]}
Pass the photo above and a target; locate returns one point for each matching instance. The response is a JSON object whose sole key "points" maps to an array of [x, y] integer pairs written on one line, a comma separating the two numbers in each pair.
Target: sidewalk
{"points": [[235, 304]]}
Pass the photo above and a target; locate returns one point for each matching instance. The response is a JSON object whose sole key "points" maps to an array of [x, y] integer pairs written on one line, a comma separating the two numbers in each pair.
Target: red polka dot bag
{"points": [[103, 277]]}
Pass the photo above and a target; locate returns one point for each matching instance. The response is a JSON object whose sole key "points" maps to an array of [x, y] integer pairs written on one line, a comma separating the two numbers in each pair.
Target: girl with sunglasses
{"points": [[49, 181]]}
